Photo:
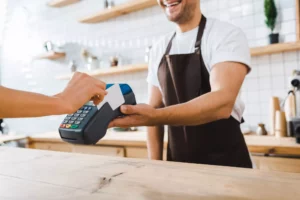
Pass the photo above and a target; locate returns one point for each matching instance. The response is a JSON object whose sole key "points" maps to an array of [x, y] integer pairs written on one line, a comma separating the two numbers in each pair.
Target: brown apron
{"points": [[182, 78]]}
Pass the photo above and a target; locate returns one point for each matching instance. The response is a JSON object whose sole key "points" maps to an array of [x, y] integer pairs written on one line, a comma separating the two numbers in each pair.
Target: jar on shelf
{"points": [[261, 130]]}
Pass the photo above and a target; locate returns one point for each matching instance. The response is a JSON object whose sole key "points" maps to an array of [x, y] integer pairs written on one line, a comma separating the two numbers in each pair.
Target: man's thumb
{"points": [[127, 109]]}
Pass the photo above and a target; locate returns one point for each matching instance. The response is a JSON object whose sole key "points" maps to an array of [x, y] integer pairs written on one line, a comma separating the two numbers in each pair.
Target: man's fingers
{"points": [[121, 122], [128, 109]]}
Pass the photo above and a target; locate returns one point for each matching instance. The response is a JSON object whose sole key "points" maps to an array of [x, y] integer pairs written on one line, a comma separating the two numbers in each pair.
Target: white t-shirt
{"points": [[221, 42]]}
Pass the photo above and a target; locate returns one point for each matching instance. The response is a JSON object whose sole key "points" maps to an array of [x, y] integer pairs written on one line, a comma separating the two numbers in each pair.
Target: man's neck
{"points": [[193, 23]]}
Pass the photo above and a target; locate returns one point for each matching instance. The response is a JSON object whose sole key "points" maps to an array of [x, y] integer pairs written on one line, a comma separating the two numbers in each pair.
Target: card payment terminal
{"points": [[89, 124]]}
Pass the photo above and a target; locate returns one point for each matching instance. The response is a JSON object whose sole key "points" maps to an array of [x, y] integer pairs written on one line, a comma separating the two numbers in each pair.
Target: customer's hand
{"points": [[81, 89]]}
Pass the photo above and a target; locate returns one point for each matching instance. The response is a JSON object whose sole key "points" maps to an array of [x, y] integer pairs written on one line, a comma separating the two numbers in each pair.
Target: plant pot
{"points": [[274, 38]]}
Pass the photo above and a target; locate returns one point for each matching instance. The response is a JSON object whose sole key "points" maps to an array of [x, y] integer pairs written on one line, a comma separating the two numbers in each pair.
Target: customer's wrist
{"points": [[60, 105]]}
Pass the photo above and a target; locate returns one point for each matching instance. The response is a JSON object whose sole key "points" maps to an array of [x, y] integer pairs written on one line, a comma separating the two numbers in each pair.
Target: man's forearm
{"points": [[204, 109], [155, 142], [16, 103]]}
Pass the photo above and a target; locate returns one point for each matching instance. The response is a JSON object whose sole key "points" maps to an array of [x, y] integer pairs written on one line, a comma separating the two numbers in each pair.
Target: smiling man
{"points": [[195, 76]]}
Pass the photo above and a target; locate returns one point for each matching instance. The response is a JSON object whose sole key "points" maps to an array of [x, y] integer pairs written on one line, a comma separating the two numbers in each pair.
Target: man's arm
{"points": [[226, 80], [80, 89], [155, 134]]}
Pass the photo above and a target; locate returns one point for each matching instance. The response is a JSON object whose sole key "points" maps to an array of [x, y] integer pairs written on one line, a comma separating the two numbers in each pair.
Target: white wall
{"points": [[29, 23]]}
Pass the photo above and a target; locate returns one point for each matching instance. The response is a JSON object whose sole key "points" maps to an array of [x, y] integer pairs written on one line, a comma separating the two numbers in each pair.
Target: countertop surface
{"points": [[36, 174]]}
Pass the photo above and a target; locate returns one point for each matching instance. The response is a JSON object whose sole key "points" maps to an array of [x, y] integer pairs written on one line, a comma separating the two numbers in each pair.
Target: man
{"points": [[195, 76], [79, 90]]}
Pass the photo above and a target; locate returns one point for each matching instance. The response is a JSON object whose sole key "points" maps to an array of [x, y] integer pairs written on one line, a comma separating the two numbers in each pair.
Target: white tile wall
{"points": [[249, 16], [30, 23]]}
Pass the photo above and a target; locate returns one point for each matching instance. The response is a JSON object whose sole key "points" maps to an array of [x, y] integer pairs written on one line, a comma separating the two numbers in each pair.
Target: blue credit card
{"points": [[125, 88]]}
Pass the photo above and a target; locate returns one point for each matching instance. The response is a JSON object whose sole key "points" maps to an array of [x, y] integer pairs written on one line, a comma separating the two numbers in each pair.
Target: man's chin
{"points": [[173, 17]]}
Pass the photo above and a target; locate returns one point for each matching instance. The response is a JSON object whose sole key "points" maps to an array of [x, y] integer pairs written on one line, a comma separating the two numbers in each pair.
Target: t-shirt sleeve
{"points": [[152, 68], [230, 46]]}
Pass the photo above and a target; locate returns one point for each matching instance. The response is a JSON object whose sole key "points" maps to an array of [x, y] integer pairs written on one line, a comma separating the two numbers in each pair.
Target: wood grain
{"points": [[51, 55], [123, 9], [110, 71], [108, 151], [275, 48], [61, 3], [52, 175]]}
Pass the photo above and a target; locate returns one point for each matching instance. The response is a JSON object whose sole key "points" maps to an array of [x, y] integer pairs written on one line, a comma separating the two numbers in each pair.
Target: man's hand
{"points": [[139, 115], [225, 79], [81, 89]]}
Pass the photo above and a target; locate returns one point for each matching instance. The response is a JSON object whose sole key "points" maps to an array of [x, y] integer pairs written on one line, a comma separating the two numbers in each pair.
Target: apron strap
{"points": [[170, 44], [200, 32], [204, 71], [199, 36]]}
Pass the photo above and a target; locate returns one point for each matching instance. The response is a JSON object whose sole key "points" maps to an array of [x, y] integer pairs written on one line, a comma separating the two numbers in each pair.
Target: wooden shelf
{"points": [[110, 71], [51, 55], [61, 3], [131, 6], [275, 48]]}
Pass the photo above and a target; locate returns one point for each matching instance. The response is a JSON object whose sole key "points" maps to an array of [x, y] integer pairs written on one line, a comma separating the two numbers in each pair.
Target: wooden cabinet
{"points": [[136, 152], [64, 147], [141, 152], [98, 150], [51, 146], [277, 164]]}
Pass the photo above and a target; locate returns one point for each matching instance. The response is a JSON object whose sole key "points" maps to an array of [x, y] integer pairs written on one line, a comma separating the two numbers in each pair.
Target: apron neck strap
{"points": [[170, 44], [199, 35], [200, 32]]}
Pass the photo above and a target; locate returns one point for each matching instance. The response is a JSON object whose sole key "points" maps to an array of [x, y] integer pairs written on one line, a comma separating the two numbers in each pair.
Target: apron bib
{"points": [[182, 78]]}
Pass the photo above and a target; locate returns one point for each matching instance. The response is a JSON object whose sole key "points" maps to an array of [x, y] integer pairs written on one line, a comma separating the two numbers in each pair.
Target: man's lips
{"points": [[171, 3]]}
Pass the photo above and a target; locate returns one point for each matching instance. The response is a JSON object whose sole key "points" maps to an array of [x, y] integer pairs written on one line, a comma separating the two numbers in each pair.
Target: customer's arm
{"points": [[80, 89], [155, 134]]}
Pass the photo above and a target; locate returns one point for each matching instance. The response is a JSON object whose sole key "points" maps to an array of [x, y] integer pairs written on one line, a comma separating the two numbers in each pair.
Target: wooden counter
{"points": [[36, 174], [123, 144], [272, 145], [112, 138], [256, 144]]}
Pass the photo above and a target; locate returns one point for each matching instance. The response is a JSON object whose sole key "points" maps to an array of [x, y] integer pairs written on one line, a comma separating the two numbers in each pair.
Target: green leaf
{"points": [[270, 13]]}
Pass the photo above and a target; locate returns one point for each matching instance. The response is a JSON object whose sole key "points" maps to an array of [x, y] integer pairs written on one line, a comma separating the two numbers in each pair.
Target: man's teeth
{"points": [[171, 4]]}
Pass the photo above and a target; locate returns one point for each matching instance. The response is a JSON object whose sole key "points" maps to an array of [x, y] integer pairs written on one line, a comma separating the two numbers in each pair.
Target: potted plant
{"points": [[271, 16]]}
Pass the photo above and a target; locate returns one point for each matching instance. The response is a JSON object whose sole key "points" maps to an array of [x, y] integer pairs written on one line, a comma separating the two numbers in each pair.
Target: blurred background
{"points": [[42, 44]]}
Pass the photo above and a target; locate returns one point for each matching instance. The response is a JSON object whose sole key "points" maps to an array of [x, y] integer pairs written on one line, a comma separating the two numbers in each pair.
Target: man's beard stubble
{"points": [[186, 14]]}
